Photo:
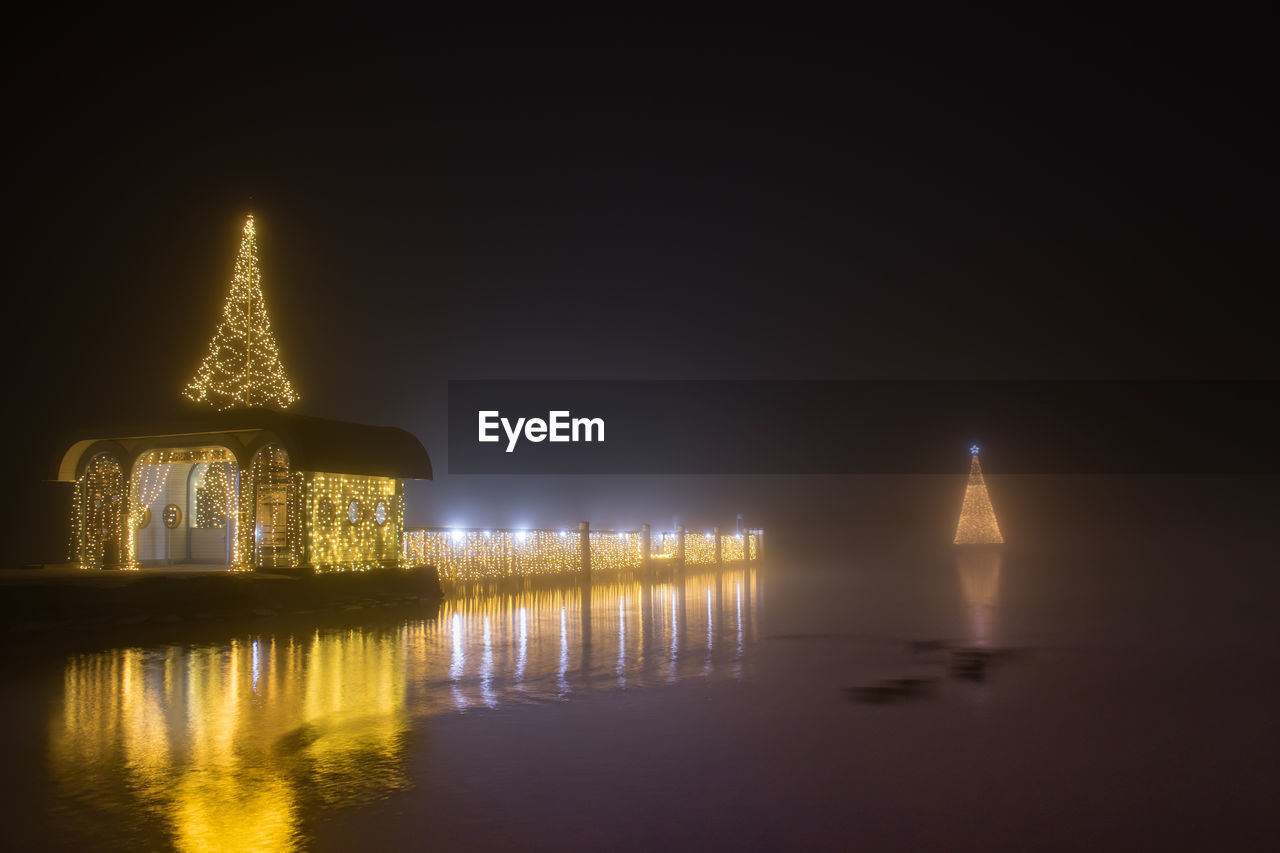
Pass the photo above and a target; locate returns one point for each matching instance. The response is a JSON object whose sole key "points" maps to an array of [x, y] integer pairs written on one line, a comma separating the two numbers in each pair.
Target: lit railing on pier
{"points": [[475, 554], [699, 549]]}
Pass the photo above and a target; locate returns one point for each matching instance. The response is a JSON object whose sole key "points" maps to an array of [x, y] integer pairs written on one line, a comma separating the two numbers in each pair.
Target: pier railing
{"points": [[473, 554]]}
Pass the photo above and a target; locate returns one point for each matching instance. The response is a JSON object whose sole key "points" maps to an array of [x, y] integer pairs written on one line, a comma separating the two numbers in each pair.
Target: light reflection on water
{"points": [[979, 570], [233, 746]]}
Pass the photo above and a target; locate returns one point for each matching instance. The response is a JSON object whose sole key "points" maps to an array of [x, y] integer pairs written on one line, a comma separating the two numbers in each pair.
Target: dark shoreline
{"points": [[60, 610]]}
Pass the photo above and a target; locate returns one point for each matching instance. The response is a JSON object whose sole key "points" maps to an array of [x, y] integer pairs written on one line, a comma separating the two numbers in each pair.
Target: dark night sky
{"points": [[927, 197]]}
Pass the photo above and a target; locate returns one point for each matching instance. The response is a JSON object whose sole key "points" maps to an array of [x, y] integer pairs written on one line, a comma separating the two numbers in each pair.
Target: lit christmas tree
{"points": [[243, 365], [978, 525]]}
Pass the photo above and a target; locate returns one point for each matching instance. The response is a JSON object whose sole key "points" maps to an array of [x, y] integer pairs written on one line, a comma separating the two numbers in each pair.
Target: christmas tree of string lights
{"points": [[978, 525], [243, 366]]}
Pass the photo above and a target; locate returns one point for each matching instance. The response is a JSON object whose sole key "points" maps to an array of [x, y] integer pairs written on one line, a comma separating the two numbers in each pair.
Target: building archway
{"points": [[98, 526], [184, 506], [276, 525]]}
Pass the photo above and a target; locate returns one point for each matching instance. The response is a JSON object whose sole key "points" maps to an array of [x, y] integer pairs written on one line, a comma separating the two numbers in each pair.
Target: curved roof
{"points": [[314, 444]]}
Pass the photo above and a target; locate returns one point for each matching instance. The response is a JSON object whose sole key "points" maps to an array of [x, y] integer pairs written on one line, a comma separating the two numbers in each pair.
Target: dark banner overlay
{"points": [[881, 427]]}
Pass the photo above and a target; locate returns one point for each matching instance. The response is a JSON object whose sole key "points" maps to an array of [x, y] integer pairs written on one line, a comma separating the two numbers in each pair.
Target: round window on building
{"points": [[353, 512], [172, 516], [380, 513], [144, 518]]}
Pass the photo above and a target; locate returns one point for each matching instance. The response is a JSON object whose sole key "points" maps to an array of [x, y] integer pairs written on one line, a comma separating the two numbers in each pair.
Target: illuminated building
{"points": [[244, 488], [978, 525], [250, 486]]}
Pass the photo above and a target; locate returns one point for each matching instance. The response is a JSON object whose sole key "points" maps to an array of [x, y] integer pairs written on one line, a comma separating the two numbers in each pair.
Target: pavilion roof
{"points": [[314, 444]]}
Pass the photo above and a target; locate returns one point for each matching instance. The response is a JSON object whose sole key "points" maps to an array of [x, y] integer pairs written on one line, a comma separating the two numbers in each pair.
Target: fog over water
{"points": [[1128, 700]]}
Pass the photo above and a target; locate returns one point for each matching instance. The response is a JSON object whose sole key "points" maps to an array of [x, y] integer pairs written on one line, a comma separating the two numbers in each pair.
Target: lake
{"points": [[1127, 700]]}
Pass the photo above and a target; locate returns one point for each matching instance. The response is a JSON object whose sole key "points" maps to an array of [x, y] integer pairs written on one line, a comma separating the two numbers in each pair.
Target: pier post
{"points": [[745, 533], [645, 548], [680, 545], [584, 545], [719, 548]]}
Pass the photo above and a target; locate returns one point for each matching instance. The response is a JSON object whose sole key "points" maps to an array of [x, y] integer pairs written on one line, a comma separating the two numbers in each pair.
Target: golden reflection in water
{"points": [[232, 746], [980, 581], [535, 644], [222, 744]]}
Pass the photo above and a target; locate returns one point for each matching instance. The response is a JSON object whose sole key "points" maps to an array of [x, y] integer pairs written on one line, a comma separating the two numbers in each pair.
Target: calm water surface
{"points": [[1134, 706], [242, 745]]}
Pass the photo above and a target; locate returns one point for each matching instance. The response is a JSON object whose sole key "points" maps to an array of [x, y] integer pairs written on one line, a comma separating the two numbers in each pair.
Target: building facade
{"points": [[242, 489]]}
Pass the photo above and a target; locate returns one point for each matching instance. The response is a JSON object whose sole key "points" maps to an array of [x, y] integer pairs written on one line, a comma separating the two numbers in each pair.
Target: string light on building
{"points": [[214, 475], [152, 470], [214, 495], [978, 525], [97, 513], [343, 540], [242, 367]]}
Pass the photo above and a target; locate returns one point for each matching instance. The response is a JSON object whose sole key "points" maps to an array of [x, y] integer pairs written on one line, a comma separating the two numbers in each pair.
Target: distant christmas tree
{"points": [[978, 525], [243, 365]]}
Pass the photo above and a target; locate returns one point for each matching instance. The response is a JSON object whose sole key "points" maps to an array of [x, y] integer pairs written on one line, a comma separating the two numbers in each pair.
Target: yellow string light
{"points": [[152, 472], [343, 512], [732, 548], [97, 512], [275, 530], [214, 495], [473, 555], [615, 550], [699, 548], [977, 525], [242, 367]]}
